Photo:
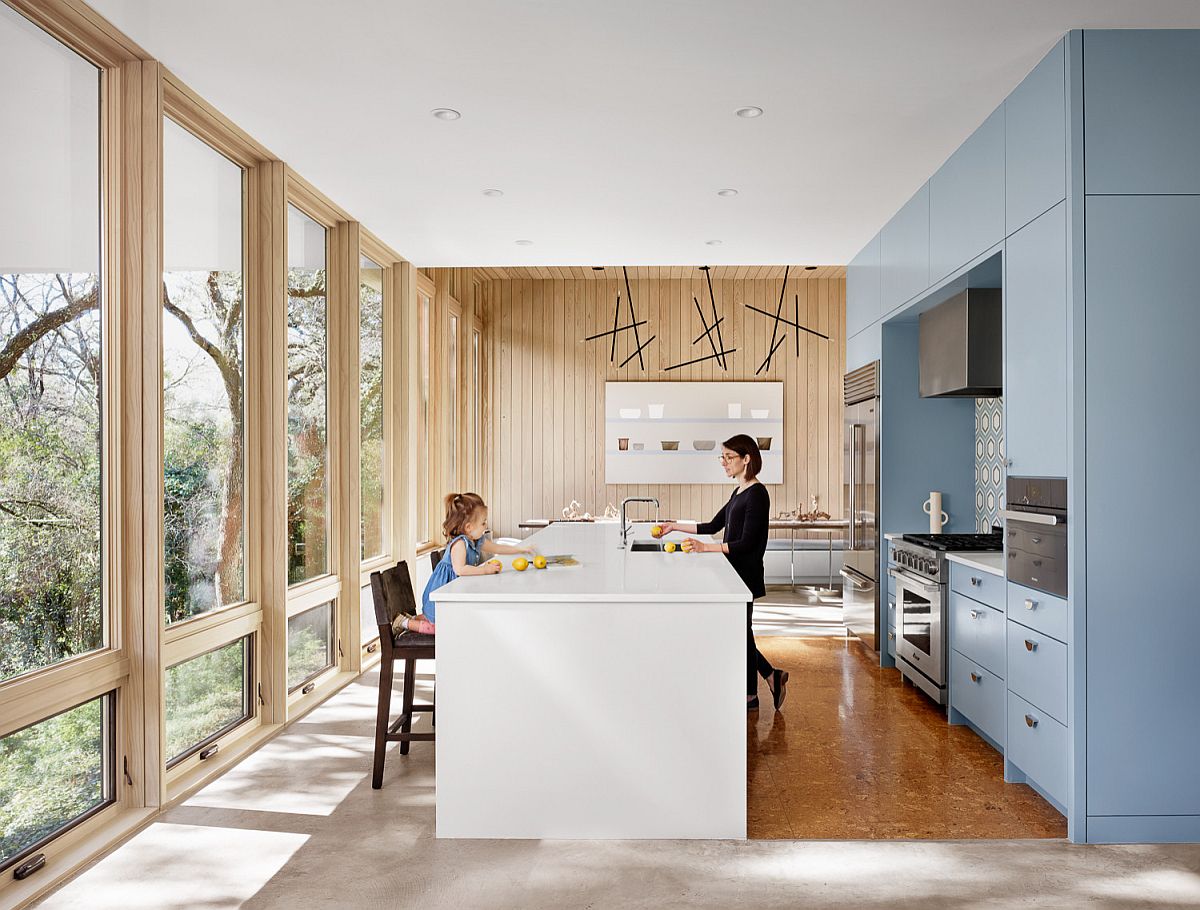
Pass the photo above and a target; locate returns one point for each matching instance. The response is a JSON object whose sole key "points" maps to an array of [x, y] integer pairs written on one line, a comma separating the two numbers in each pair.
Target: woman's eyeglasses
{"points": [[726, 459]]}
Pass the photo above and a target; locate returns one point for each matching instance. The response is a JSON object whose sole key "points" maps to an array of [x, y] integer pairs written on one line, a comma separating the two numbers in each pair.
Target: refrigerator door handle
{"points": [[856, 447]]}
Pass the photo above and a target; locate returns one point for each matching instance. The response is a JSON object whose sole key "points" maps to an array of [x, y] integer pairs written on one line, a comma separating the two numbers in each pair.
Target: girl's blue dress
{"points": [[444, 573]]}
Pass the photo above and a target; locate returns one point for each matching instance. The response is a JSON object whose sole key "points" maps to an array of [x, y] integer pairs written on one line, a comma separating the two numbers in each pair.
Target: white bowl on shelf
{"points": [[630, 413], [760, 413]]}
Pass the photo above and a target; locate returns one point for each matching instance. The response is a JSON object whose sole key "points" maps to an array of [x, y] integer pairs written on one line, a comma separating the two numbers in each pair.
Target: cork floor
{"points": [[856, 755]]}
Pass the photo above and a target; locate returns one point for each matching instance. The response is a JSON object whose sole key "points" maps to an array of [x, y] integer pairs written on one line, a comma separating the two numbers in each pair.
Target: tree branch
{"points": [[27, 337]]}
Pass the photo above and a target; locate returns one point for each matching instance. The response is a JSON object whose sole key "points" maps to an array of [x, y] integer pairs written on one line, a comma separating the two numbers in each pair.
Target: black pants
{"points": [[756, 664]]}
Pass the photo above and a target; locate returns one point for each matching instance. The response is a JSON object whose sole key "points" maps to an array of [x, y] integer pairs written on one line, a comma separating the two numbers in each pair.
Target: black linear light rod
{"points": [[766, 363], [638, 353], [708, 329], [787, 322], [718, 355], [778, 313], [612, 354], [633, 318], [716, 322], [623, 328]]}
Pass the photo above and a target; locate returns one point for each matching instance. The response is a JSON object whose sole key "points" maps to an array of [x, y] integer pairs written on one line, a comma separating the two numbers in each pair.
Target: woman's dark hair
{"points": [[460, 508], [746, 447]]}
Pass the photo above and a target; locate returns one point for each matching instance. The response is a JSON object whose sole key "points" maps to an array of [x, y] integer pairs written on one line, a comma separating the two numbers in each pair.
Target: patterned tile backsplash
{"points": [[989, 462]]}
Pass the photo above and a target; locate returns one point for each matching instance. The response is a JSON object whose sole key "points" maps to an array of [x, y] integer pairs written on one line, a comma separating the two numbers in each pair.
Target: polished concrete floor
{"points": [[297, 825]]}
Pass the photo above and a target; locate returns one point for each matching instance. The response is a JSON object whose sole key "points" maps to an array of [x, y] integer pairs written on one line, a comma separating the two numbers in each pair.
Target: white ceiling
{"points": [[609, 124]]}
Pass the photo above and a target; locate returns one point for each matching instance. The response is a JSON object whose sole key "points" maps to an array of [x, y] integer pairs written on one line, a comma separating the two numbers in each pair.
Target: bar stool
{"points": [[392, 593]]}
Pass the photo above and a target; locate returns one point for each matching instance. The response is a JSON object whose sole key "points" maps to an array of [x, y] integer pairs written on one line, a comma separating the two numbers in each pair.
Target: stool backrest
{"points": [[435, 556], [392, 593]]}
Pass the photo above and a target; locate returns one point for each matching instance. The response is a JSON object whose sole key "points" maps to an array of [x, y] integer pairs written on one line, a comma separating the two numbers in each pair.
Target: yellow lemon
{"points": [[687, 548], [539, 562], [670, 548], [656, 531], [520, 564], [496, 562]]}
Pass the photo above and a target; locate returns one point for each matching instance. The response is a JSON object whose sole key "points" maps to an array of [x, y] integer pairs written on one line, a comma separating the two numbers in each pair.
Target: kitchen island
{"points": [[602, 700]]}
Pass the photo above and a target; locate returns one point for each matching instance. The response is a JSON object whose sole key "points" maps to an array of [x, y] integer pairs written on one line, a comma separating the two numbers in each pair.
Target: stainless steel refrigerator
{"points": [[860, 489]]}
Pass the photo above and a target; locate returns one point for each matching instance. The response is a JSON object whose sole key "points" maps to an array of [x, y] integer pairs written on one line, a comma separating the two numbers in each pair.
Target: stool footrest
{"points": [[410, 737]]}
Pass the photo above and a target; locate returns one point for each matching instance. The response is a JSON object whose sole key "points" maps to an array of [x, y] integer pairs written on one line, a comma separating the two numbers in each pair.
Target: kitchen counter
{"points": [[604, 700], [988, 561]]}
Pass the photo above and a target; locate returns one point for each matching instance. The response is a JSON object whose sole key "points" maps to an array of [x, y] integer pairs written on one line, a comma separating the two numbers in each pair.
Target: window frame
{"points": [[425, 429], [249, 713]]}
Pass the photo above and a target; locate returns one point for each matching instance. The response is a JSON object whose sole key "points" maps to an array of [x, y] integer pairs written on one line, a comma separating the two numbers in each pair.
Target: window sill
{"points": [[427, 547]]}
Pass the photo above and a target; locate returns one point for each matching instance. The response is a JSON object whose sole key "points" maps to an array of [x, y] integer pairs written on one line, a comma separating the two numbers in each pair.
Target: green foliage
{"points": [[308, 644], [205, 695], [50, 774]]}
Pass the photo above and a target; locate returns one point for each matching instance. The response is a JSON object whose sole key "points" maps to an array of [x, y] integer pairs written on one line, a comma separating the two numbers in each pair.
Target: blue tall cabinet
{"points": [[1080, 196]]}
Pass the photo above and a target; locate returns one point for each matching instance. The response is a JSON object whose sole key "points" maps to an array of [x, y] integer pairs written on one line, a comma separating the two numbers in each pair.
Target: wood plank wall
{"points": [[545, 386]]}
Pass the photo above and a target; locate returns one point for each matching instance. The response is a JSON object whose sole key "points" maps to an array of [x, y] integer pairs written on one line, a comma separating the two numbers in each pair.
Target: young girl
{"points": [[466, 554]]}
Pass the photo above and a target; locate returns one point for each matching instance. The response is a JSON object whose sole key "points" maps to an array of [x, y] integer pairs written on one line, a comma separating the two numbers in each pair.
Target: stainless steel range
{"points": [[918, 563]]}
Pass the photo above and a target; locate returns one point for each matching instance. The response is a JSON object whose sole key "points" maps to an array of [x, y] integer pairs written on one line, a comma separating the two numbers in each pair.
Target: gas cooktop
{"points": [[958, 542]]}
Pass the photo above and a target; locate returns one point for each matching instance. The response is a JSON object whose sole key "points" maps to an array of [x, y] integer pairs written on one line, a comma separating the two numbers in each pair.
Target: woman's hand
{"points": [[668, 527], [699, 546]]}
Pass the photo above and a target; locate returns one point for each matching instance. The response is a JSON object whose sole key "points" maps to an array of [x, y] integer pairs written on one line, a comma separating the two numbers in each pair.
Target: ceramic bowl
{"points": [[670, 445], [760, 413], [638, 446], [704, 445], [764, 443], [630, 413]]}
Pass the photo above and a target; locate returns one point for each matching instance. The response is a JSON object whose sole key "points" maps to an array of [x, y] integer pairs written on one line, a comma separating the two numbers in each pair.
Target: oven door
{"points": [[920, 618]]}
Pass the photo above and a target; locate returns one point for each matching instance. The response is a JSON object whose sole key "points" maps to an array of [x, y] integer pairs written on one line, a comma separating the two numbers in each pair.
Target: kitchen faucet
{"points": [[625, 527]]}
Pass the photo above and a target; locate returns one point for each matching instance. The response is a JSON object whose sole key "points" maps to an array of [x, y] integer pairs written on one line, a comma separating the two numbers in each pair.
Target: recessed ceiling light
{"points": [[524, 243], [446, 113], [749, 113], [493, 193], [727, 192], [713, 242]]}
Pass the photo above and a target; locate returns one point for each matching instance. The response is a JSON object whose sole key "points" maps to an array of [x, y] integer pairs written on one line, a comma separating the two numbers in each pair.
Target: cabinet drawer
{"points": [[977, 694], [982, 586], [1043, 612], [977, 632], [891, 617], [1049, 573], [891, 641], [1037, 670], [1037, 744], [891, 586]]}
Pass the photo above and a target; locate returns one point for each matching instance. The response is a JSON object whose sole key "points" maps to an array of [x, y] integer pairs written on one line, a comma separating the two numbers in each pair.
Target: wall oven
{"points": [[1035, 533]]}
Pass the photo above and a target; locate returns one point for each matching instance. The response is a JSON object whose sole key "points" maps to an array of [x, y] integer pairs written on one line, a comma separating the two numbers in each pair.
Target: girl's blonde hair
{"points": [[460, 508]]}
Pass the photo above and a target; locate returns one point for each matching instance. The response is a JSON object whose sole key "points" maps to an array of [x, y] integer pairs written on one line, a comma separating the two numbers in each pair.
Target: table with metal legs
{"points": [[830, 527]]}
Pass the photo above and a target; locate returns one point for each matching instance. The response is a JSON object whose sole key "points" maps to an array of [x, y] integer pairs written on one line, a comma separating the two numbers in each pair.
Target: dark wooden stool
{"points": [[435, 556], [392, 592]]}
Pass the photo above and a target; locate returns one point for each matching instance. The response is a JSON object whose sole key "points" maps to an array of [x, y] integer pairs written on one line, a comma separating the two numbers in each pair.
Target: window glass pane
{"points": [[310, 644], [54, 773], [475, 393], [203, 411], [452, 405], [50, 352], [206, 696], [308, 510], [370, 346], [366, 614], [423, 453]]}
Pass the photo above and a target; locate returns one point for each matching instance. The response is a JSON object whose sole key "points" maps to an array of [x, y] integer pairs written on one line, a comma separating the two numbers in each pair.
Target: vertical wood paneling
{"points": [[546, 386]]}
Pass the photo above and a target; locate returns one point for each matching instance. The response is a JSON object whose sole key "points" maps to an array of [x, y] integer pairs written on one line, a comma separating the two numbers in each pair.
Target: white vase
{"points": [[656, 411], [735, 411]]}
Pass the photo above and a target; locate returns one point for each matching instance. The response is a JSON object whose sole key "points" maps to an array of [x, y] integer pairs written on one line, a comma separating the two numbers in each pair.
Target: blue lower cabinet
{"points": [[1037, 745], [981, 586], [977, 632], [891, 641], [1043, 612], [978, 695], [1037, 669]]}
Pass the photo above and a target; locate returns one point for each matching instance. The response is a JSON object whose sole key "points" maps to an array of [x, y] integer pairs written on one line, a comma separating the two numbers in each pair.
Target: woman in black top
{"points": [[744, 519]]}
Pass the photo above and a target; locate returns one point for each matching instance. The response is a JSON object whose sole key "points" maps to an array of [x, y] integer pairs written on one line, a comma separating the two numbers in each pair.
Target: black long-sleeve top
{"points": [[745, 520]]}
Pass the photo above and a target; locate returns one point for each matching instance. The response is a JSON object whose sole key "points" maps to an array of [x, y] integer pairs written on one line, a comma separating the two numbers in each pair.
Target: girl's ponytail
{"points": [[460, 507]]}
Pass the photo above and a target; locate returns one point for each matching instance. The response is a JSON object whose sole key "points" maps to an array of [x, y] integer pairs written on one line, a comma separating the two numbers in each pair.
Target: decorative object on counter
{"points": [[610, 511], [574, 512], [623, 443], [735, 411], [760, 413], [670, 445], [639, 446], [717, 343], [655, 411], [764, 443], [704, 445], [933, 508], [630, 413]]}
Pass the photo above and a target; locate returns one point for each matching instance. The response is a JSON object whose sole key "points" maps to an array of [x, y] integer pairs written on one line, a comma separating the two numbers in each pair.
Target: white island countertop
{"points": [[606, 572], [991, 561]]}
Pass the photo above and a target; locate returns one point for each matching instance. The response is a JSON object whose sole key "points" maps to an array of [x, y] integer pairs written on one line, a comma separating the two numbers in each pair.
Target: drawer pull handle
{"points": [[1036, 539], [1030, 645], [891, 636], [1030, 722], [975, 677], [974, 614], [976, 582], [1030, 604]]}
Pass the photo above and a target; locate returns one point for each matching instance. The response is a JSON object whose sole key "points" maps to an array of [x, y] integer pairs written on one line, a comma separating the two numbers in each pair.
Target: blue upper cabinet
{"points": [[862, 289], [1142, 111], [1035, 346], [966, 200], [904, 252], [1035, 142]]}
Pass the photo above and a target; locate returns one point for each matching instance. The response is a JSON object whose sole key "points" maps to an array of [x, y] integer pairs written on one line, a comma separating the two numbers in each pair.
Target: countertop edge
{"points": [[969, 559]]}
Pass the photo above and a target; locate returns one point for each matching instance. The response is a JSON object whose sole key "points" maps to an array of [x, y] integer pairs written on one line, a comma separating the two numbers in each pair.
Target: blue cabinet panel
{"points": [[1037, 670], [978, 695], [1037, 744], [862, 348], [978, 585], [1035, 349], [1142, 111], [1142, 436], [1035, 141], [862, 288], [966, 200], [904, 252], [977, 632], [1039, 611]]}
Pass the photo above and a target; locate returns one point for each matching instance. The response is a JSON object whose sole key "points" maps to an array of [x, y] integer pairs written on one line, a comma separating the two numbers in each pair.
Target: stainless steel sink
{"points": [[646, 546]]}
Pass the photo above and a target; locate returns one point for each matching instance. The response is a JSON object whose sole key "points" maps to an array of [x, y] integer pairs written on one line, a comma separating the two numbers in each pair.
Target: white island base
{"points": [[599, 701]]}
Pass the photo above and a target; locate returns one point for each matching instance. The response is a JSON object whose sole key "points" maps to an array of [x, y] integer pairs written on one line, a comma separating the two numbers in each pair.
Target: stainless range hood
{"points": [[961, 346]]}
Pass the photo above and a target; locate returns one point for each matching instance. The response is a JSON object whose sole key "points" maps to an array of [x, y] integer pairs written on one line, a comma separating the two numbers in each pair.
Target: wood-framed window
{"points": [[424, 459], [475, 399], [455, 466]]}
